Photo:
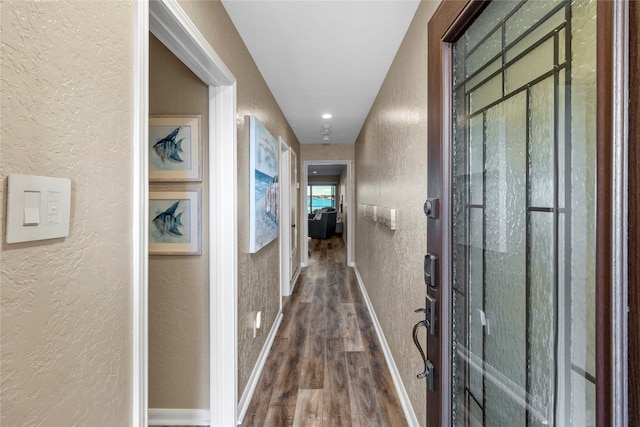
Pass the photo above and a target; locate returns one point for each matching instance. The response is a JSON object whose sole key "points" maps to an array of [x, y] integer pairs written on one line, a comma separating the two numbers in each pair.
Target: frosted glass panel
{"points": [[541, 324], [486, 94], [487, 71], [505, 260], [476, 160], [583, 203], [562, 55], [526, 17], [562, 139], [491, 17], [530, 67], [484, 53], [541, 31], [476, 299], [541, 145], [523, 216]]}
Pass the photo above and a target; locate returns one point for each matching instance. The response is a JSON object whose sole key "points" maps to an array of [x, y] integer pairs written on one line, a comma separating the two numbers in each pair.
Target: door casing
{"points": [[284, 215], [170, 24], [303, 212]]}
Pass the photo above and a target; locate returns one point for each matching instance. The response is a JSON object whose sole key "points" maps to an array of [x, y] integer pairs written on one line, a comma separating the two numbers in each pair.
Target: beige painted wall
{"points": [[66, 309], [345, 202], [326, 152], [179, 285], [326, 179], [258, 274], [391, 154]]}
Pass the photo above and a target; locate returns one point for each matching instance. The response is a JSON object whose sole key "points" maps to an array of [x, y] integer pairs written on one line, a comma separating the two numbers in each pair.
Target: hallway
{"points": [[326, 366]]}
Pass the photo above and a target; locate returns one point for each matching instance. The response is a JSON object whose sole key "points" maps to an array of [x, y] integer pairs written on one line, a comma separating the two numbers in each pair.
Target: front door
{"points": [[511, 273]]}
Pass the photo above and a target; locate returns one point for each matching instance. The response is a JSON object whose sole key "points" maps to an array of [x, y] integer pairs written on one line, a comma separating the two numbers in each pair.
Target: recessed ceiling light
{"points": [[315, 171], [327, 116]]}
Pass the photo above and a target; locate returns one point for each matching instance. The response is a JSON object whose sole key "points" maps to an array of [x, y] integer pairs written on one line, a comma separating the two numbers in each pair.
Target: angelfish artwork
{"points": [[174, 222], [168, 149], [168, 222], [174, 148]]}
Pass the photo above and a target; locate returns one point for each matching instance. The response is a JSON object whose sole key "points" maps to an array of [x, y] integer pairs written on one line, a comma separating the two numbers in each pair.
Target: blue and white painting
{"points": [[170, 221], [174, 222], [174, 148], [264, 191], [170, 148]]}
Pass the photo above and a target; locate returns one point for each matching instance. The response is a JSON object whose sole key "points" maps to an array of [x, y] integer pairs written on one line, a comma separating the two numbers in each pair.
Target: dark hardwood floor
{"points": [[326, 367]]}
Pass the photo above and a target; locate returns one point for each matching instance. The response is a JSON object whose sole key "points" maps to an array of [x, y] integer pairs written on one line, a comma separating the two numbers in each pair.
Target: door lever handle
{"points": [[416, 327], [429, 369]]}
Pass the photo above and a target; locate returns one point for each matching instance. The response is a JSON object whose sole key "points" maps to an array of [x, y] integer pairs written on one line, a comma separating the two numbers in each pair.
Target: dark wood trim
{"points": [[634, 220], [463, 19], [448, 21], [604, 307]]}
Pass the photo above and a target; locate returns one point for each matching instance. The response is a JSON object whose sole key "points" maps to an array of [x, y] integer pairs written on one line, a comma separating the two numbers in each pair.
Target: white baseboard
{"points": [[409, 413], [178, 417], [295, 280], [247, 394]]}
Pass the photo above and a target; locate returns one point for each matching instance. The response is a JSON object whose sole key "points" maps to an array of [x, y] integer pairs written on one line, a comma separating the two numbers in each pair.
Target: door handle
{"points": [[429, 369], [416, 327]]}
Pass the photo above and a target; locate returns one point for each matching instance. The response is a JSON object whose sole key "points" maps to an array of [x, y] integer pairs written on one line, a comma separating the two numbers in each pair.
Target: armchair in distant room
{"points": [[322, 223]]}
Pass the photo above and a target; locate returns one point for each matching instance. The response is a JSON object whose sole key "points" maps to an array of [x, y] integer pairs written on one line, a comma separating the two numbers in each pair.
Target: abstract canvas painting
{"points": [[264, 191], [175, 148], [174, 222]]}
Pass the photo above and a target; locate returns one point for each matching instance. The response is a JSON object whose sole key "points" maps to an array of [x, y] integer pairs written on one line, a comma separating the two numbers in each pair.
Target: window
{"points": [[320, 196]]}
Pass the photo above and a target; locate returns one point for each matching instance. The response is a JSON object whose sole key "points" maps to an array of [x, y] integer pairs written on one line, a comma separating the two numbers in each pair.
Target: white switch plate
{"points": [[23, 224]]}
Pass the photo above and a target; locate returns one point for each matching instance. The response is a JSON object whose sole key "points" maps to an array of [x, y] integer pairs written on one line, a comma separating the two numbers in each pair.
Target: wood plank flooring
{"points": [[326, 367]]}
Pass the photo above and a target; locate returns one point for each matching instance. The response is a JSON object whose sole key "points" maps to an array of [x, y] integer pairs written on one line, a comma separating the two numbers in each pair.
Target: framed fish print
{"points": [[174, 222], [175, 148], [264, 193]]}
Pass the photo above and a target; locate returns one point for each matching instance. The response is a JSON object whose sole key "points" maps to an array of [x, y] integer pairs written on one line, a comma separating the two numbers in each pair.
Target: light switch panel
{"points": [[38, 208], [31, 208]]}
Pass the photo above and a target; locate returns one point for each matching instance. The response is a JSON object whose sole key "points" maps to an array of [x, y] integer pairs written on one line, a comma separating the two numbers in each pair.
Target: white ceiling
{"points": [[324, 56]]}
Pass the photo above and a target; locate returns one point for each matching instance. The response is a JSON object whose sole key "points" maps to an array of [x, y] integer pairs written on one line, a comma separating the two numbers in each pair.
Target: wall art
{"points": [[264, 192], [175, 148], [174, 222]]}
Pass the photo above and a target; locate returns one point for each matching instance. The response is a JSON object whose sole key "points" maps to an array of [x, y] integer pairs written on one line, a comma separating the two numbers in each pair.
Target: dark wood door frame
{"points": [[450, 14], [634, 220], [449, 21]]}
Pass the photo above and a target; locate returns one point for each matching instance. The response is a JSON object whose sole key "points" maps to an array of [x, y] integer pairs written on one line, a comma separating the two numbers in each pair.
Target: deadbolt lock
{"points": [[431, 208]]}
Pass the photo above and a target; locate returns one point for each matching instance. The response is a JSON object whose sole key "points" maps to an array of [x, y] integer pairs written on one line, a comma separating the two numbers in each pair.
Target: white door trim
{"points": [[284, 215], [140, 194], [293, 209], [303, 212], [170, 24]]}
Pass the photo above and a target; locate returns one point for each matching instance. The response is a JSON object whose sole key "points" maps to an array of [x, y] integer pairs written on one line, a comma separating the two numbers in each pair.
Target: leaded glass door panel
{"points": [[523, 175]]}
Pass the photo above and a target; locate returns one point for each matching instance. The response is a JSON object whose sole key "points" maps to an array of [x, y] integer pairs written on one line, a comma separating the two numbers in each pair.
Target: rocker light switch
{"points": [[31, 208], [38, 208]]}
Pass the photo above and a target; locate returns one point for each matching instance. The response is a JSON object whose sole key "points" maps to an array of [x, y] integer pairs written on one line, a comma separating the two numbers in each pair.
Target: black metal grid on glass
{"points": [[560, 65]]}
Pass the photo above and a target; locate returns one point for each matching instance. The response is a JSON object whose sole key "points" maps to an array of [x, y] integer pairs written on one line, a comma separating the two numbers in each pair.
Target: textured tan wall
{"points": [[179, 285], [326, 152], [331, 179], [345, 202], [391, 154], [258, 274], [66, 90]]}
